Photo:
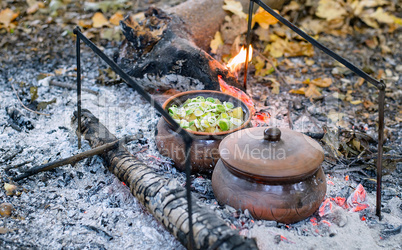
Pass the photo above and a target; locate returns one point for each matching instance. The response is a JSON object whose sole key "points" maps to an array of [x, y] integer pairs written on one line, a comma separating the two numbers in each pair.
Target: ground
{"points": [[84, 206]]}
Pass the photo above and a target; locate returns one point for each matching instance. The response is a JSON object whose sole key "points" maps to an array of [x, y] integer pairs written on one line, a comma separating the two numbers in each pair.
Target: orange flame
{"points": [[233, 91], [235, 63]]}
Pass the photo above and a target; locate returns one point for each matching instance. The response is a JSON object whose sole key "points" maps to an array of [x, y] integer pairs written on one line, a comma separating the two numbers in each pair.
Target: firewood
{"points": [[164, 198], [168, 49]]}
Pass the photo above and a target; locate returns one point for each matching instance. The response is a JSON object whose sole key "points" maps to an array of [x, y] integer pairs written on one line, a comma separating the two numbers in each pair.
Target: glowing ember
{"points": [[346, 177], [356, 201], [326, 222], [325, 208], [340, 201], [314, 221], [233, 91], [330, 183], [236, 62]]}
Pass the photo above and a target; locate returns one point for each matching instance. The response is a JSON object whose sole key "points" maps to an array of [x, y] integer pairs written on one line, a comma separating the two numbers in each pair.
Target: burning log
{"points": [[165, 199], [166, 51]]}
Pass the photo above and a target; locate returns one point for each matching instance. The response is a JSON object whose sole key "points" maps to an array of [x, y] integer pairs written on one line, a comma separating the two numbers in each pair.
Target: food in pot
{"points": [[207, 115]]}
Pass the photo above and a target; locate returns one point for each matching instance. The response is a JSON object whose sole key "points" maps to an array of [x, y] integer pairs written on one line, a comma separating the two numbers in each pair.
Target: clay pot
{"points": [[204, 151], [274, 173]]}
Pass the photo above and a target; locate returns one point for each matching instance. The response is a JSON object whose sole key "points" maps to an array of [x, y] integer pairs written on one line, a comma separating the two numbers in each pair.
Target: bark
{"points": [[168, 49], [164, 198]]}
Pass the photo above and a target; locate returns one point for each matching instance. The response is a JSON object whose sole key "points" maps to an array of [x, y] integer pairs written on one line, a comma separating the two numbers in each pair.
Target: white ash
{"points": [[85, 206]]}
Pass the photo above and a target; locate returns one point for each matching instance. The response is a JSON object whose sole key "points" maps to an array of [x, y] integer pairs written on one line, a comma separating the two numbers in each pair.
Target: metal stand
{"points": [[379, 84], [185, 135]]}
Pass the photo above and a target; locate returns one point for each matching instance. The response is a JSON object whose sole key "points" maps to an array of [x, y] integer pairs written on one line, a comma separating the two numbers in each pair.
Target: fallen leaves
{"points": [[280, 47], [263, 18], [330, 10], [313, 90], [6, 17], [99, 20], [235, 7], [116, 18], [216, 42]]}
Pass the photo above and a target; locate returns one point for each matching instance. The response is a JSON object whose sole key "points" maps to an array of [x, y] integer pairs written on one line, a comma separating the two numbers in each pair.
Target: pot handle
{"points": [[272, 134]]}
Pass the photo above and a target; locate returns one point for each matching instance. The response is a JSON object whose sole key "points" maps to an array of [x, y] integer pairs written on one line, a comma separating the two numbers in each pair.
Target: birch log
{"points": [[164, 198]]}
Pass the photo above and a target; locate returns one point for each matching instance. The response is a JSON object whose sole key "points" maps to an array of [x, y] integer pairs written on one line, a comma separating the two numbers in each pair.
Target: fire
{"points": [[325, 208], [236, 62], [233, 91]]}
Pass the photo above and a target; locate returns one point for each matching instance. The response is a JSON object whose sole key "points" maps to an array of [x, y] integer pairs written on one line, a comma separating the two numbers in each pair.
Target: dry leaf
{"points": [[99, 20], [235, 7], [355, 102], [85, 23], [264, 19], [34, 6], [313, 26], [312, 91], [7, 16], [300, 91], [323, 83], [383, 17], [216, 42], [309, 62], [116, 18], [330, 9]]}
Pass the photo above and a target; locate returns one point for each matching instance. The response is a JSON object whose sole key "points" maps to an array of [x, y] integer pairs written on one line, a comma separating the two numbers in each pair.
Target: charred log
{"points": [[168, 49], [163, 198], [161, 54]]}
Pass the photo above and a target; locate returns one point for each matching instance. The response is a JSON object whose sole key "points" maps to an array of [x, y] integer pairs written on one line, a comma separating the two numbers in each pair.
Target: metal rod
{"points": [[191, 242], [78, 51], [185, 135], [381, 104], [248, 41], [314, 42]]}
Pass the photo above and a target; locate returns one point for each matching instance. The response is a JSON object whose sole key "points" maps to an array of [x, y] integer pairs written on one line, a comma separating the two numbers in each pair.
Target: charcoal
{"points": [[391, 231], [17, 120]]}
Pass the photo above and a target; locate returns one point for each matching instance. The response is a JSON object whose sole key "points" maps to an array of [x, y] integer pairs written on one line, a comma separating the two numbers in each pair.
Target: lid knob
{"points": [[272, 134]]}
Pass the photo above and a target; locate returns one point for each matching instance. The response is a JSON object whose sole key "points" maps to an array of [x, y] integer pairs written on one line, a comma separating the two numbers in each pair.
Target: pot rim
{"points": [[245, 123]]}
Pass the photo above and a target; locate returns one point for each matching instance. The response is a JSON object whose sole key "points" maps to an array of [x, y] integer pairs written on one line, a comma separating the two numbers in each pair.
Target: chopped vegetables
{"points": [[207, 115]]}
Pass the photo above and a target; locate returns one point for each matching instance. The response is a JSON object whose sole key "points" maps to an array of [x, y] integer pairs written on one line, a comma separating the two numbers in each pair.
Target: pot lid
{"points": [[271, 154]]}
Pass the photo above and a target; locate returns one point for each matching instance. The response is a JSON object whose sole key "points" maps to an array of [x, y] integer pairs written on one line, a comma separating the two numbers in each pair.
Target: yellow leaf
{"points": [[356, 102], [275, 86], [264, 19], [300, 91], [323, 83], [235, 7], [99, 20], [383, 17], [116, 18], [309, 62], [85, 23], [356, 143], [7, 16], [216, 42], [312, 91], [330, 9]]}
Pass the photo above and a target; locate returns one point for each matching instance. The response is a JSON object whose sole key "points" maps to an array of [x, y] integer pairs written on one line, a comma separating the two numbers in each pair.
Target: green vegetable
{"points": [[207, 115]]}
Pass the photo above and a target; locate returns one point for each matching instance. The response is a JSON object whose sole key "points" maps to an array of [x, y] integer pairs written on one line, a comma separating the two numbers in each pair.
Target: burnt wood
{"points": [[164, 198]]}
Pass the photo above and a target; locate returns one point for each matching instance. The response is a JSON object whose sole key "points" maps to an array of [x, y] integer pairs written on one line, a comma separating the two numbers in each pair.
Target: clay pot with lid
{"points": [[204, 151], [274, 173]]}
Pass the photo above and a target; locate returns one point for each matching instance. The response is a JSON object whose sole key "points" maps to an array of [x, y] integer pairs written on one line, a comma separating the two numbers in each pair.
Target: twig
{"points": [[72, 86], [76, 158], [25, 107], [276, 69], [17, 165]]}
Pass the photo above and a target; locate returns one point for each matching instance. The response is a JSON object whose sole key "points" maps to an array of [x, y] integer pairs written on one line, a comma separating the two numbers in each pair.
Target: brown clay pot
{"points": [[204, 151], [274, 173]]}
